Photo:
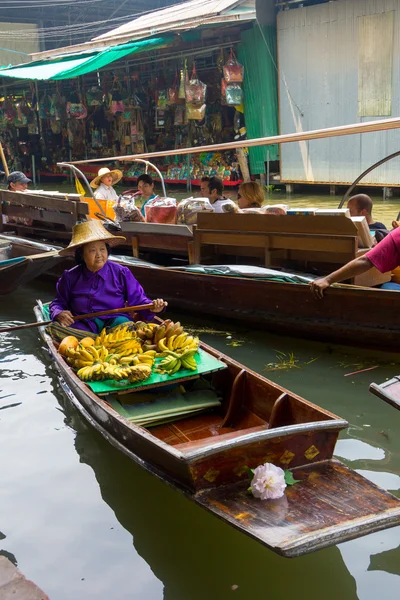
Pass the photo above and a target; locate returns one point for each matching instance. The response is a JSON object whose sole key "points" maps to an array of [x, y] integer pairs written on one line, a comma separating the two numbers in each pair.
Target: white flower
{"points": [[268, 482]]}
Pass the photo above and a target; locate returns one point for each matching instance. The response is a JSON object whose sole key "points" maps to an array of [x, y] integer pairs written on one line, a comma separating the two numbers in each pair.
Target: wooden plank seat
{"points": [[53, 216]]}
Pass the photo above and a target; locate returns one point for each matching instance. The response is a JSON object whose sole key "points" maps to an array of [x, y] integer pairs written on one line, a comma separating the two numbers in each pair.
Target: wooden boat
{"points": [[22, 261], [389, 391], [206, 456]]}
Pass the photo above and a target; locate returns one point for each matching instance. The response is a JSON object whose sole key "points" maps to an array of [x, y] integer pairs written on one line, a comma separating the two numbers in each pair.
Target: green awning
{"points": [[73, 66]]}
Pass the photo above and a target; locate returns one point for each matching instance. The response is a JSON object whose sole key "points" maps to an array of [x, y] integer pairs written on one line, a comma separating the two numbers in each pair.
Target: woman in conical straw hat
{"points": [[103, 184], [96, 284]]}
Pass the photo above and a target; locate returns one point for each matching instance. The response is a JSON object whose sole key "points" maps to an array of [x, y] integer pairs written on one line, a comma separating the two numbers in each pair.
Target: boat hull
{"points": [[16, 274]]}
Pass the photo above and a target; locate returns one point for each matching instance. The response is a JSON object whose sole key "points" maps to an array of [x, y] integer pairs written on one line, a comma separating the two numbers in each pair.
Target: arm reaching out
{"points": [[353, 268]]}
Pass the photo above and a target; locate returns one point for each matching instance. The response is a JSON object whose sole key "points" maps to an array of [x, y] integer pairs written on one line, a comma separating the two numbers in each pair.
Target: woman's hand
{"points": [[318, 286], [158, 305], [65, 318]]}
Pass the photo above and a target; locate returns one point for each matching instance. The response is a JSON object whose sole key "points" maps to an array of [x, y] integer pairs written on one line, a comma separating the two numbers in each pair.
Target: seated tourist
{"points": [[250, 195], [145, 185], [96, 284], [103, 184], [385, 256], [17, 181], [361, 206], [213, 188]]}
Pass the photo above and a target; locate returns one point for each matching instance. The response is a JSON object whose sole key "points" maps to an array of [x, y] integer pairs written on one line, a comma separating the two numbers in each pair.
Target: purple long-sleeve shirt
{"points": [[113, 286]]}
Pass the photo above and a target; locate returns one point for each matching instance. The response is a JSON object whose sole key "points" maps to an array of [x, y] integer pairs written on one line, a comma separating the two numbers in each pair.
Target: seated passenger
{"points": [[213, 188], [145, 185], [385, 256], [96, 284], [361, 206], [250, 195], [103, 184]]}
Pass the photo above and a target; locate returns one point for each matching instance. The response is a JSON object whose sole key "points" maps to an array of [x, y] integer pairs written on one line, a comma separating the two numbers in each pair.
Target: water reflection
{"points": [[194, 554], [388, 561]]}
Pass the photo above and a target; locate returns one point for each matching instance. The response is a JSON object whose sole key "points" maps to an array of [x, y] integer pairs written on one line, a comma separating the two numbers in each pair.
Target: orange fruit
{"points": [[87, 341], [68, 342]]}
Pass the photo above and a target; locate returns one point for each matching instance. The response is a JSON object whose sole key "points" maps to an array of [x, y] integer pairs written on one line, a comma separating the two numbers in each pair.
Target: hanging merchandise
{"points": [[195, 90], [160, 118], [234, 94], [75, 108], [45, 107], [233, 71], [117, 105], [181, 93], [162, 101], [195, 112], [173, 92], [22, 111], [223, 92], [179, 115], [94, 96]]}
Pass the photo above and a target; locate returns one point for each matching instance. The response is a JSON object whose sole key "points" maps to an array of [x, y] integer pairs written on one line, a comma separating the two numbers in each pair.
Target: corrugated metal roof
{"points": [[181, 16]]}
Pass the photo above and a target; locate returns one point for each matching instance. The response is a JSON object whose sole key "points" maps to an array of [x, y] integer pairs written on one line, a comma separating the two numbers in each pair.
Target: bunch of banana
{"points": [[126, 348], [146, 331], [169, 365], [178, 343], [95, 372], [137, 359], [119, 335], [131, 372], [86, 356]]}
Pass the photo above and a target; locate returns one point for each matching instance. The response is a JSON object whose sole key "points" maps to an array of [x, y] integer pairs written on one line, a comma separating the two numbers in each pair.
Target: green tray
{"points": [[205, 364]]}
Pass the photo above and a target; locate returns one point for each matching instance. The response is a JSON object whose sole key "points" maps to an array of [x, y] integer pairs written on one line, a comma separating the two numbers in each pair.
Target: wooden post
{"points": [[135, 246]]}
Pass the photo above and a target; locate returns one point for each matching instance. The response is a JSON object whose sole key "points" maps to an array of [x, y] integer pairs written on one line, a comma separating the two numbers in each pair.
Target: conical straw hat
{"points": [[115, 173], [90, 231]]}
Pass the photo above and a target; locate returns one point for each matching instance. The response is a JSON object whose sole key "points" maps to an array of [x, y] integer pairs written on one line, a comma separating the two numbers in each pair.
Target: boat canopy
{"points": [[78, 64]]}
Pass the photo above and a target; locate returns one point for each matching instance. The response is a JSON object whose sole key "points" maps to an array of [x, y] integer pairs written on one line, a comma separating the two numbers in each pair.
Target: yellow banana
{"points": [[162, 346], [179, 340], [84, 354], [171, 342]]}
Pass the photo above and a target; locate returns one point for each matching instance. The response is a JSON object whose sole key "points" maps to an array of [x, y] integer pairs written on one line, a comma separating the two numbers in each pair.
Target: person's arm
{"points": [[59, 306], [135, 295], [352, 269]]}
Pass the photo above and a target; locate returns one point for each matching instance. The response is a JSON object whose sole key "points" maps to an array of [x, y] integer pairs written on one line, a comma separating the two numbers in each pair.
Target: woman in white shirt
{"points": [[103, 184]]}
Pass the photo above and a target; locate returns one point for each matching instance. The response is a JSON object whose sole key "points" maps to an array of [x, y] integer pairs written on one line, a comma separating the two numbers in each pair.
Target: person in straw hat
{"points": [[96, 284], [103, 184]]}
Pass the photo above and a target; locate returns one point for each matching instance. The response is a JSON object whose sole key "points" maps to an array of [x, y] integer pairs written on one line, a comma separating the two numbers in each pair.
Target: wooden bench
{"points": [[53, 214], [176, 240], [303, 242]]}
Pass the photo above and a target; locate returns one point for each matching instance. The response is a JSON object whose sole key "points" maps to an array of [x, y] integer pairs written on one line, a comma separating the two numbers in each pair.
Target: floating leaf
{"points": [[289, 479]]}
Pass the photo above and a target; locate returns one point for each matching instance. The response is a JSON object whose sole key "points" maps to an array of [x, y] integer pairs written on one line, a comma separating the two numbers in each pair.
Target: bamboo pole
{"points": [[286, 138]]}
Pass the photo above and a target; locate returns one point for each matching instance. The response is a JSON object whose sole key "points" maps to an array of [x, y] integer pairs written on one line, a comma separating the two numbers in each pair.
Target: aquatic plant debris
{"points": [[361, 371]]}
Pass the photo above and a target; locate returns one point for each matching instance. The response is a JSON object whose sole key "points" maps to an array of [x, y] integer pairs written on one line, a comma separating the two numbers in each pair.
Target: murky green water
{"points": [[84, 522]]}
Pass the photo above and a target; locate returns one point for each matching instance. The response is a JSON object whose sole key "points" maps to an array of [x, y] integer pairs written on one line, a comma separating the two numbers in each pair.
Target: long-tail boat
{"points": [[207, 456], [23, 260]]}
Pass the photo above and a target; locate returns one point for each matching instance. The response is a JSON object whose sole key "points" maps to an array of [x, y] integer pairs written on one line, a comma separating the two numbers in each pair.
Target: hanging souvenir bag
{"points": [[162, 101], [45, 107], [75, 108], [117, 105], [234, 94], [195, 112], [233, 71], [195, 90], [94, 96], [173, 92]]}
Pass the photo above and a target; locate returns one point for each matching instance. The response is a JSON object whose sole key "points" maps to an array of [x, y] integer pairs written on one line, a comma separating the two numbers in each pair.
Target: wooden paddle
{"points": [[124, 309]]}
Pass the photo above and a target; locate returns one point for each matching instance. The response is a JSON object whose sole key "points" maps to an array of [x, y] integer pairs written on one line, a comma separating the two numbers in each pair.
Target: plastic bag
{"points": [[188, 209], [195, 112], [233, 71], [125, 208], [161, 210], [234, 94], [195, 90], [276, 209]]}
